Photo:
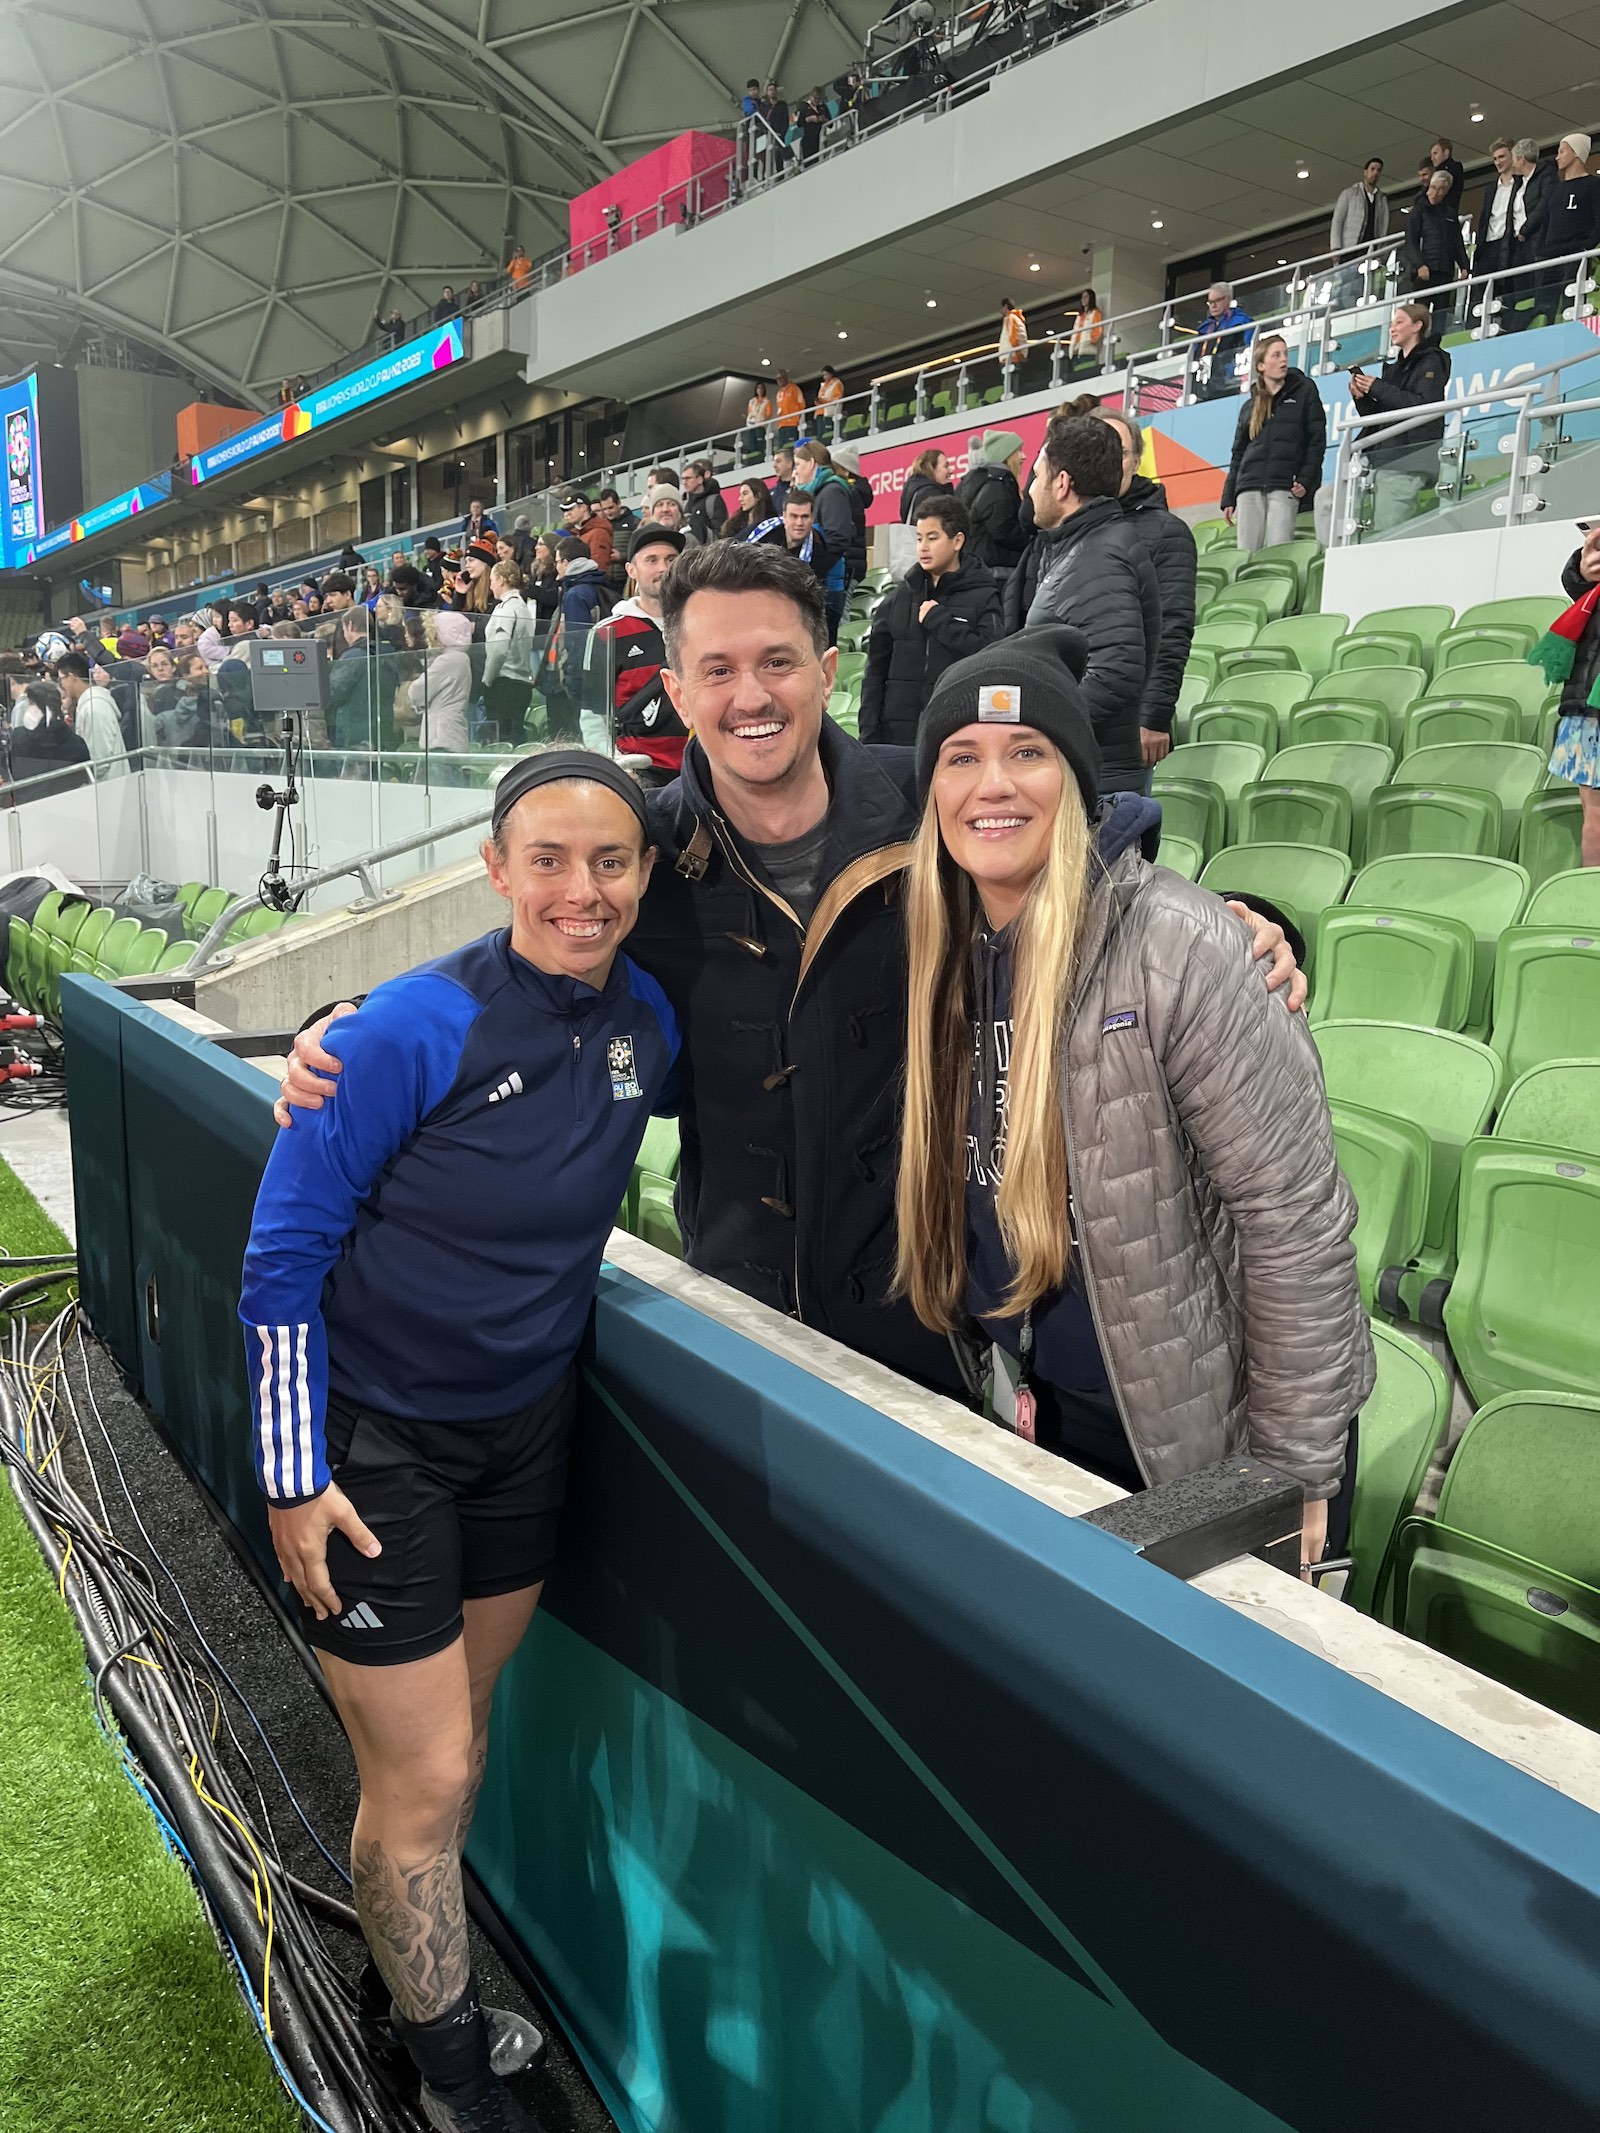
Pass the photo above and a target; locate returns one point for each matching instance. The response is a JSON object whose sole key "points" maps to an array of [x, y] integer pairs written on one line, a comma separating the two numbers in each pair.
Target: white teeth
{"points": [[758, 733], [584, 929], [997, 822]]}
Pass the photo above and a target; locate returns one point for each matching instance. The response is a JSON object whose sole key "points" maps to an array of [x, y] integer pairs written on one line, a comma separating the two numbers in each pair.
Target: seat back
{"points": [[1194, 808], [1392, 966], [94, 930], [1488, 893], [48, 911], [1337, 722], [1229, 765], [19, 981], [175, 955], [1276, 586], [1302, 880], [1571, 898], [1401, 1425], [1278, 692], [208, 908], [1440, 719], [1309, 638], [1424, 625], [187, 895], [1503, 681], [1230, 605], [1443, 1083], [1546, 996], [1181, 854], [1526, 1475], [1385, 1162], [57, 961], [1509, 769], [1520, 1313], [1356, 767], [1414, 818], [144, 953], [1279, 813], [1554, 1105], [1471, 644], [1550, 833], [1236, 722], [117, 944], [1226, 633], [1534, 611]]}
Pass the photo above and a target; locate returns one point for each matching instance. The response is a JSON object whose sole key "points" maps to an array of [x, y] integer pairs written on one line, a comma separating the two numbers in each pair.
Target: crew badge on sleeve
{"points": [[624, 1074]]}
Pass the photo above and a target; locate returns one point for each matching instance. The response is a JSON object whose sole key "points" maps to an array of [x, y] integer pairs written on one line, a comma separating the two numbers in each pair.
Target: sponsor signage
{"points": [[24, 515], [129, 504]]}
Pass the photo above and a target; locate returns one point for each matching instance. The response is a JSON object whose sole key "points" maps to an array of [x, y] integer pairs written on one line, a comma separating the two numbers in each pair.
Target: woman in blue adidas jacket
{"points": [[419, 1274]]}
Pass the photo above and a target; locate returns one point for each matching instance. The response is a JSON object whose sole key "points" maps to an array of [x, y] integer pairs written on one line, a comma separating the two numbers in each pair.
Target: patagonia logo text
{"points": [[1124, 1018]]}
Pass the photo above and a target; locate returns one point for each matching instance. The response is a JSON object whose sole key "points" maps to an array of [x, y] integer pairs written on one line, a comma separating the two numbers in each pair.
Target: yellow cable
{"points": [[259, 1878]]}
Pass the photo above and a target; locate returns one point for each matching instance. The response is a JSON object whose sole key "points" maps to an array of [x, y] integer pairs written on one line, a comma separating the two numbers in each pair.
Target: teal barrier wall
{"points": [[842, 1788]]}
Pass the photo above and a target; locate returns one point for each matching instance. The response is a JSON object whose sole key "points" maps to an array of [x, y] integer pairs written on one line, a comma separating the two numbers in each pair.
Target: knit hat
{"points": [[453, 629], [653, 496], [1027, 680], [1579, 143], [998, 446], [1556, 650], [650, 535], [846, 456], [485, 551], [132, 644]]}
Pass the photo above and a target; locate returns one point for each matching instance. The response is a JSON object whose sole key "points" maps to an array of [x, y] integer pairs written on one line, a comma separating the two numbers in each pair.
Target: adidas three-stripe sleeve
{"points": [[399, 1057]]}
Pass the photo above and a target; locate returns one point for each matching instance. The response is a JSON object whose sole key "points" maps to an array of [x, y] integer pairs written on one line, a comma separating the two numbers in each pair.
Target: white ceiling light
{"points": [[933, 303], [1156, 223], [1302, 172], [766, 362], [843, 335], [1475, 116], [1033, 266]]}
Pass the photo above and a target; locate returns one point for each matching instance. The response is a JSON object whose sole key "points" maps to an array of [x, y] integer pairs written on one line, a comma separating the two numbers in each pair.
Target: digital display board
{"points": [[436, 349], [128, 505], [24, 510]]}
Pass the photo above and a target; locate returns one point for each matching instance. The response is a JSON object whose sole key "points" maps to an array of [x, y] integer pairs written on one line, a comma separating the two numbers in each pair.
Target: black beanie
{"points": [[1030, 679]]}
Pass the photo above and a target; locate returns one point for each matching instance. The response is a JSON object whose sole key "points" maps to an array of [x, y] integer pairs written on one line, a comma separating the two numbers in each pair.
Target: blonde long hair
{"points": [[1260, 399], [942, 914]]}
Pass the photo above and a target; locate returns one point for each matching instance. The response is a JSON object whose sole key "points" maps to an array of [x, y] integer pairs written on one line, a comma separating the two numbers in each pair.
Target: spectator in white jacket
{"points": [[508, 654], [95, 718], [441, 692]]}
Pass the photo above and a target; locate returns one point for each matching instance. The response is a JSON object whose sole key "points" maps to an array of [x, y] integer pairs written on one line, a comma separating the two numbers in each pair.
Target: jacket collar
{"points": [[1143, 494], [1097, 512]]}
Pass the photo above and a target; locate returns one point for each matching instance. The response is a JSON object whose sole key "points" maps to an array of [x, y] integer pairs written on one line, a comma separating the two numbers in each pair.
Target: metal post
{"points": [[872, 412], [1055, 364], [922, 396], [961, 390]]}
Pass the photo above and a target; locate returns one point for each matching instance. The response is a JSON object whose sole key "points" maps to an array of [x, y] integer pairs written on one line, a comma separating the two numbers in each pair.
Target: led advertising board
{"points": [[128, 505], [436, 349], [24, 507]]}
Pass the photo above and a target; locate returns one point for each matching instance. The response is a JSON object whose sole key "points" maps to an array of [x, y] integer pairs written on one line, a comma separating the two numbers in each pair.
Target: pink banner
{"points": [[682, 178]]}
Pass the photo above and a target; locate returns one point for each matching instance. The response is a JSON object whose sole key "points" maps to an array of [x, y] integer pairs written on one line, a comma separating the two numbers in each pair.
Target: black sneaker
{"points": [[483, 2107], [515, 2040]]}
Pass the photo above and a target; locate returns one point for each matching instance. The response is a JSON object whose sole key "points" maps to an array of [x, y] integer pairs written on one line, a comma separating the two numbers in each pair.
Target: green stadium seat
{"points": [[1277, 589], [1309, 639], [1354, 767], [1506, 1578], [1336, 722], [1445, 1084], [1567, 899], [1546, 996], [1440, 720], [1469, 644], [1501, 681], [145, 953], [1209, 585], [1312, 815], [1417, 818], [176, 955], [1393, 966], [1554, 1105], [1227, 633], [1296, 556], [1548, 837], [1534, 611], [1228, 559], [1488, 893], [187, 895], [57, 959], [1520, 1313], [1311, 591], [1401, 1428], [49, 907], [1227, 605], [117, 945], [657, 1220], [93, 931], [659, 1150], [208, 907], [1201, 661], [1278, 692], [1181, 854], [1193, 691], [1212, 533], [1406, 635], [1385, 1161], [1395, 689], [1301, 880], [83, 966], [19, 979], [1236, 722], [1230, 765], [1509, 769], [1195, 809]]}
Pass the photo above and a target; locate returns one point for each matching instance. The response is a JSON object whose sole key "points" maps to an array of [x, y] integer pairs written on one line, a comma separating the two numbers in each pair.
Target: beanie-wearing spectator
{"points": [[992, 493], [944, 609], [443, 690], [847, 465]]}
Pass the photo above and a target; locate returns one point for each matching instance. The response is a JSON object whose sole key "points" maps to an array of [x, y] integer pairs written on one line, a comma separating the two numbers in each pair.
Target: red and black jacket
{"points": [[626, 656]]}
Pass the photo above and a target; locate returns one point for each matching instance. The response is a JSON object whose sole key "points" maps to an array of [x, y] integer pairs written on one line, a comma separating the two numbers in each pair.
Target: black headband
{"points": [[554, 765]]}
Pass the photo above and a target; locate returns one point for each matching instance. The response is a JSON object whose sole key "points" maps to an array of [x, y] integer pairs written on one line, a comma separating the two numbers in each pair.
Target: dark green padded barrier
{"points": [[94, 1019], [842, 1788]]}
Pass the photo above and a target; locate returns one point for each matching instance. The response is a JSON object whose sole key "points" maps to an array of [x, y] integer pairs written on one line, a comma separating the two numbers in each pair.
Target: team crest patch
{"points": [[1001, 705], [624, 1074]]}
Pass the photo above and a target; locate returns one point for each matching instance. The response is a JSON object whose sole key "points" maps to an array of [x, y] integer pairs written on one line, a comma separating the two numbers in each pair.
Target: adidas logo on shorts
{"points": [[361, 1616]]}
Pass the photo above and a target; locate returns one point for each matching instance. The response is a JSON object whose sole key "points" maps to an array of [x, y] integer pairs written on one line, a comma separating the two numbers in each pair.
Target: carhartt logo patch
{"points": [[624, 1074], [1124, 1018], [1000, 706]]}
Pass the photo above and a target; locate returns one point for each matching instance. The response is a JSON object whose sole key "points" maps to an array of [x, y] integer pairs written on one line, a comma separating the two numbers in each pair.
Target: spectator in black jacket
{"points": [[1098, 578], [1495, 238], [991, 491], [1278, 443], [1435, 252], [1442, 157], [1570, 223], [1169, 544], [944, 609], [847, 465], [1417, 373], [929, 475], [1538, 175], [43, 741], [704, 512]]}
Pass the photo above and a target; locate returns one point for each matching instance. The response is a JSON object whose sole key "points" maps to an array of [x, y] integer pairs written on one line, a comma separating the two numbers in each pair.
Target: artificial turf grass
{"points": [[117, 2010], [26, 1231]]}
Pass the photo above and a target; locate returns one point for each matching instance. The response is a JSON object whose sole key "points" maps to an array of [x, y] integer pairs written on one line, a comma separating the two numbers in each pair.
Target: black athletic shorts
{"points": [[464, 1510]]}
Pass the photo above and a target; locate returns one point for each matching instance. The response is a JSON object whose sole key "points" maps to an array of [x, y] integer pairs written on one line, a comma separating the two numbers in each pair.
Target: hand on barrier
{"points": [[309, 1077], [300, 1541], [1269, 940]]}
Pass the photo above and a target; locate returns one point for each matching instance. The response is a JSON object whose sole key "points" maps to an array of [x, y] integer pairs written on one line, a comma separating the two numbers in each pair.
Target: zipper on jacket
{"points": [[577, 1077]]}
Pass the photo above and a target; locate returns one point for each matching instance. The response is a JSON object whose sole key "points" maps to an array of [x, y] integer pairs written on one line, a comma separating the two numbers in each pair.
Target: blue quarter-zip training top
{"points": [[427, 1244]]}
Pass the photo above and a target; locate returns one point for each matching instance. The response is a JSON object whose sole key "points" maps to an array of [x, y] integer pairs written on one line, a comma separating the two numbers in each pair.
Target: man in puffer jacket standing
{"points": [[991, 491], [1096, 576]]}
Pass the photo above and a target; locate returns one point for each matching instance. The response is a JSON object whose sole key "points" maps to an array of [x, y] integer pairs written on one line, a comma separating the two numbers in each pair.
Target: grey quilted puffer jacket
{"points": [[1213, 1223]]}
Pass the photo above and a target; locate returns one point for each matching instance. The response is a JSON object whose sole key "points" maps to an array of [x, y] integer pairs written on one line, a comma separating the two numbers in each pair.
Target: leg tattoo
{"points": [[415, 1922], [469, 1800]]}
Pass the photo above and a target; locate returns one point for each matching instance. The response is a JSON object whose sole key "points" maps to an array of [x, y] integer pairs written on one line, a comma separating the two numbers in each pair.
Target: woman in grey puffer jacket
{"points": [[1145, 1214]]}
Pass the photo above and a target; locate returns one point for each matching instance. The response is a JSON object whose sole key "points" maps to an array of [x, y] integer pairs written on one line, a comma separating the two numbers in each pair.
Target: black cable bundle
{"points": [[162, 1687]]}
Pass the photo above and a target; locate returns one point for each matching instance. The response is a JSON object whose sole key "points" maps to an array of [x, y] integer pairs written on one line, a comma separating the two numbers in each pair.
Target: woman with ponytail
{"points": [[1569, 653], [1278, 445], [1118, 1191]]}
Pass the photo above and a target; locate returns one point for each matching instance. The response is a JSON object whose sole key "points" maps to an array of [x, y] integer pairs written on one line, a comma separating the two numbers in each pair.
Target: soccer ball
{"points": [[49, 646]]}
